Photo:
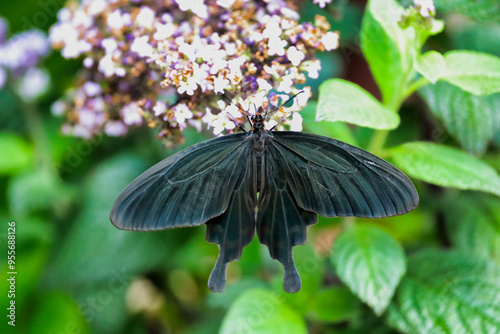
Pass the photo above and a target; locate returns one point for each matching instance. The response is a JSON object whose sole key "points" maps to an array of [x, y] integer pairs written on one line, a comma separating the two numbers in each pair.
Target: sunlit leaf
{"points": [[16, 153], [431, 65], [260, 311], [446, 166], [475, 72], [68, 319], [341, 100]]}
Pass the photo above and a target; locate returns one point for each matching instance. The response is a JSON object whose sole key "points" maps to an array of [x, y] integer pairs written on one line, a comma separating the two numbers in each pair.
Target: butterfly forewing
{"points": [[335, 179], [186, 189]]}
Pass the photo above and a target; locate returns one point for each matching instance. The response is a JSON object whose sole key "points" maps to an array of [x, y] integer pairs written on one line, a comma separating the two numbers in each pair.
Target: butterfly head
{"points": [[258, 121]]}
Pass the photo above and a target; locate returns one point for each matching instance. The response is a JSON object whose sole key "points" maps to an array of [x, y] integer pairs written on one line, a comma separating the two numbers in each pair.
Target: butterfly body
{"points": [[271, 182]]}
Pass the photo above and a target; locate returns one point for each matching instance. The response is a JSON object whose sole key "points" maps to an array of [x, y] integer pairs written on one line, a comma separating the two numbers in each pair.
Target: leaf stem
{"points": [[415, 85]]}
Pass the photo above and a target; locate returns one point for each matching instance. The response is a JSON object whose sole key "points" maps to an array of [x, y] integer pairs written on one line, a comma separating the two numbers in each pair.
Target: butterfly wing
{"points": [[186, 189], [281, 223], [235, 228], [335, 179]]}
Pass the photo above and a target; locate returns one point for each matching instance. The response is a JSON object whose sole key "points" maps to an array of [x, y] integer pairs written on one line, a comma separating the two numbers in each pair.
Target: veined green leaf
{"points": [[472, 120], [370, 262], [341, 100], [431, 65], [447, 292], [446, 166], [475, 72], [388, 49], [484, 10]]}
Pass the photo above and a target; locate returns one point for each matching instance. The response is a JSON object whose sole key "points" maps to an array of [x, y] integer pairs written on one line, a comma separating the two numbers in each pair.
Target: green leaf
{"points": [[261, 311], [16, 153], [94, 249], [446, 166], [337, 130], [484, 10], [475, 72], [388, 49], [58, 313], [472, 120], [431, 65], [24, 192], [341, 100], [473, 224], [477, 37], [447, 292], [336, 304], [370, 262]]}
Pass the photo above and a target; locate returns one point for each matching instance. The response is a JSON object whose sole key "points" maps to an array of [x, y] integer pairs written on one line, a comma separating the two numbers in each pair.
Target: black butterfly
{"points": [[273, 181]]}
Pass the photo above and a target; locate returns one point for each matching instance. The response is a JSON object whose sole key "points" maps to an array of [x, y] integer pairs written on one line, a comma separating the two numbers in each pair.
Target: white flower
{"points": [[285, 85], [115, 128], [159, 108], [115, 20], [295, 55], [232, 111], [96, 7], [181, 113], [33, 84], [276, 46], [296, 122], [91, 88], [264, 85], [58, 108], [273, 29], [222, 122], [131, 114], [145, 18], [141, 46], [312, 67], [426, 7], [188, 86], [303, 97], [321, 3], [88, 62], [270, 124], [225, 3], [109, 45], [107, 66], [220, 83], [163, 31], [198, 7], [330, 40], [80, 18], [208, 118]]}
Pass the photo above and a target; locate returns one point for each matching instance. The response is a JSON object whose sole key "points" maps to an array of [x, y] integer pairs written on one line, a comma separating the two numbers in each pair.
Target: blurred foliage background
{"points": [[79, 274]]}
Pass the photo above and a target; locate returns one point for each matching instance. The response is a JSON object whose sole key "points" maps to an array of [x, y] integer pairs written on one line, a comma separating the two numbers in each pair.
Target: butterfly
{"points": [[271, 182]]}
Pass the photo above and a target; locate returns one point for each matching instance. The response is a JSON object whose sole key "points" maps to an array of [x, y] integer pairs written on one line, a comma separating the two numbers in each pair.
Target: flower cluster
{"points": [[163, 63], [19, 57], [421, 15]]}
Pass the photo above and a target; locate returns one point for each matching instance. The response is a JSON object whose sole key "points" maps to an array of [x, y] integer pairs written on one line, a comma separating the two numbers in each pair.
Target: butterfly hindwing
{"points": [[281, 223], [335, 179], [235, 228], [186, 189]]}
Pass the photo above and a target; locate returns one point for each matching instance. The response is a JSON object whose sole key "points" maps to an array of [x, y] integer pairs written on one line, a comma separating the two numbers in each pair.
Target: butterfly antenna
{"points": [[245, 112], [290, 99], [274, 127]]}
